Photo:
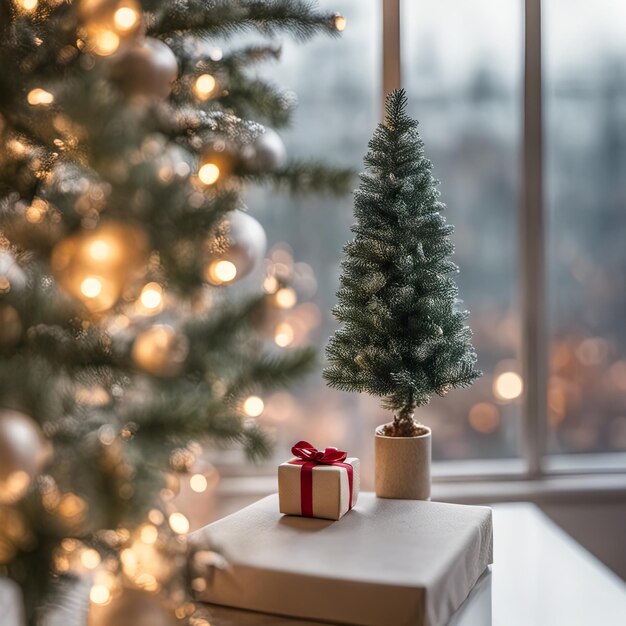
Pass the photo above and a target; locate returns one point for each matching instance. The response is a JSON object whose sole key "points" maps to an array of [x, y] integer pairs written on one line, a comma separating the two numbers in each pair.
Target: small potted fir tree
{"points": [[402, 337]]}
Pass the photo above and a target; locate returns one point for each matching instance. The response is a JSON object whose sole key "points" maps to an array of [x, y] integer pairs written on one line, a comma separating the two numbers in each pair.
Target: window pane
{"points": [[337, 82], [462, 70], [585, 99]]}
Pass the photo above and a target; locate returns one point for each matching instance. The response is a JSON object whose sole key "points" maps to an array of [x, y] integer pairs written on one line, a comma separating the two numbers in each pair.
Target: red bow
{"points": [[306, 452]]}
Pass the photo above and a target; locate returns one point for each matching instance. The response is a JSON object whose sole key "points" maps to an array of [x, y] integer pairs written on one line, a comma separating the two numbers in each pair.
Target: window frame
{"points": [[534, 463]]}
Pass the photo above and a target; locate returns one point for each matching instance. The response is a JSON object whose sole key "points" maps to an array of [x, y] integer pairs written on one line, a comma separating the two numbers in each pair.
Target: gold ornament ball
{"points": [[133, 607], [10, 326], [148, 68], [243, 244], [12, 278], [160, 350], [23, 453], [95, 266]]}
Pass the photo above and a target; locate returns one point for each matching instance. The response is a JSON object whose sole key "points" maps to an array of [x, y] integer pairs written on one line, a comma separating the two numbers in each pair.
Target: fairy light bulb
{"points": [[209, 173], [91, 287], [198, 483], [28, 5], [39, 96], [222, 271], [151, 296], [90, 558], [340, 23], [284, 335], [106, 43], [125, 18], [99, 594], [253, 406], [100, 250], [149, 534], [285, 298], [204, 86], [178, 523], [508, 386]]}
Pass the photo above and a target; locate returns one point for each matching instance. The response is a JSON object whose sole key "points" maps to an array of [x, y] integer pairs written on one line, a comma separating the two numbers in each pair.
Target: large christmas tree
{"points": [[126, 138], [403, 337]]}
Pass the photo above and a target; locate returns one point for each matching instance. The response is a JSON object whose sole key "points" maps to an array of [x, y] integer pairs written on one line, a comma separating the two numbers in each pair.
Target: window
{"points": [[481, 108]]}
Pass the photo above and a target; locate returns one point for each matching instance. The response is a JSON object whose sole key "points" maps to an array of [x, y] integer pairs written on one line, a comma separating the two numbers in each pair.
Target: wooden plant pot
{"points": [[403, 466]]}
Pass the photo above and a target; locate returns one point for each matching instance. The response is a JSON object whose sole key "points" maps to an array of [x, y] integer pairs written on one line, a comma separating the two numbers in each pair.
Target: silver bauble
{"points": [[12, 278], [147, 68], [23, 454], [266, 154], [245, 245]]}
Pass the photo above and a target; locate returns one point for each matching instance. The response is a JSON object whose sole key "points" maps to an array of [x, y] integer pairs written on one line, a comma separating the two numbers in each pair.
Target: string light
{"points": [[125, 18], [90, 558], [100, 250], [285, 298], [148, 533], [91, 287], [209, 173], [28, 5], [508, 386], [253, 406], [284, 335], [340, 22], [99, 594], [151, 297], [178, 523], [222, 271], [106, 43], [198, 483], [204, 86], [39, 96]]}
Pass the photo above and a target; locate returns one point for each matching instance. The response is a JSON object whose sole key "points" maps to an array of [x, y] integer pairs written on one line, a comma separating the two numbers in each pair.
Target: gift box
{"points": [[388, 562], [318, 484]]}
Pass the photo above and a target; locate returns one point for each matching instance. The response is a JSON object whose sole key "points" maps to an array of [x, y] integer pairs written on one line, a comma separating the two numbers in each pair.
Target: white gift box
{"points": [[330, 488], [389, 562]]}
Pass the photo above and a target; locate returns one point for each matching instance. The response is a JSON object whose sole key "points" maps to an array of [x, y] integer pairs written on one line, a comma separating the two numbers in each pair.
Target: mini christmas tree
{"points": [[403, 338]]}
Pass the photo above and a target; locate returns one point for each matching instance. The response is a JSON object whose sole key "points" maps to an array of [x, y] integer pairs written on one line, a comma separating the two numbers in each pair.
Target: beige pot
{"points": [[403, 466]]}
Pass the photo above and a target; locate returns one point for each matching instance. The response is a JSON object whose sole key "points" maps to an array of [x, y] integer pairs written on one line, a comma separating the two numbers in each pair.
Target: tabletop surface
{"points": [[540, 577]]}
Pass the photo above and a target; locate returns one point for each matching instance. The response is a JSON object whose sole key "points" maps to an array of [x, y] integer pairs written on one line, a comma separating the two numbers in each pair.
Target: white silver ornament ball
{"points": [[245, 248], [147, 68], [266, 154], [23, 453]]}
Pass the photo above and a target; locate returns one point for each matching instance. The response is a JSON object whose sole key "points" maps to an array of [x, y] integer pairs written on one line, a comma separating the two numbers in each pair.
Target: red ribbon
{"points": [[309, 457]]}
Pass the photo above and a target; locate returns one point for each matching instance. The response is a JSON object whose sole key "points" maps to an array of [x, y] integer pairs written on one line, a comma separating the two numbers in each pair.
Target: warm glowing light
{"points": [[29, 5], [125, 18], [284, 335], [484, 417], [179, 523], [91, 287], [204, 86], [271, 284], [106, 43], [149, 533], [155, 516], [198, 483], [36, 212], [222, 272], [99, 594], [39, 96], [152, 296], [100, 250], [286, 298], [14, 486], [508, 386], [253, 406], [340, 23], [209, 173], [90, 558]]}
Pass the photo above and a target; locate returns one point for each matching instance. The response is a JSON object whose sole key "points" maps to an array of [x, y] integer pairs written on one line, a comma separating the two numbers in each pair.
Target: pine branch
{"points": [[299, 18]]}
